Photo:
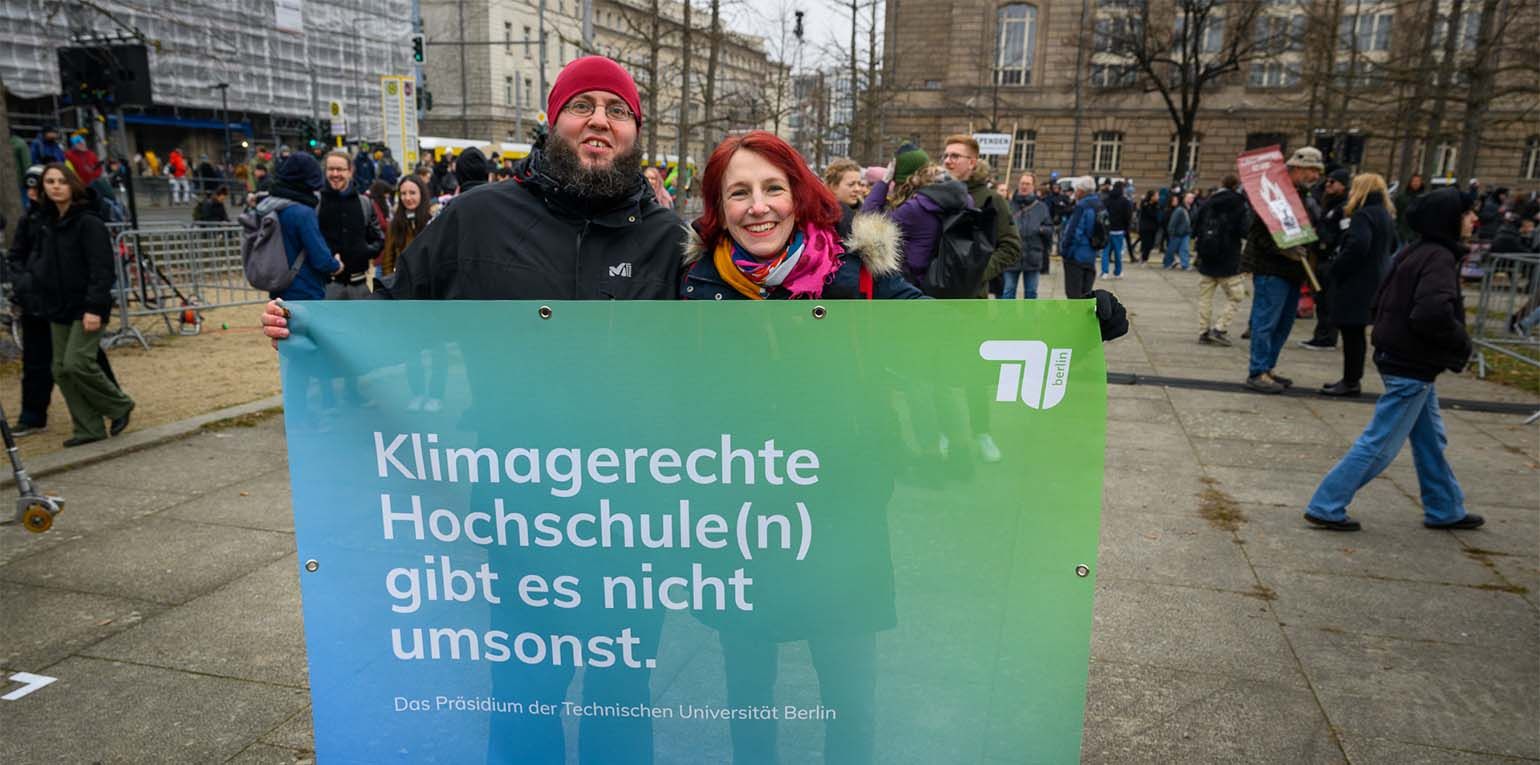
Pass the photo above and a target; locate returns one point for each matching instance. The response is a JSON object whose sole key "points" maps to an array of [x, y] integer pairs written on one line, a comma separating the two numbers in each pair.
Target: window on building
{"points": [[1213, 34], [527, 46], [1531, 167], [1106, 152], [1192, 152], [508, 90], [1367, 32], [1444, 157], [529, 92], [1024, 150], [1274, 74], [508, 38], [1016, 44], [1112, 75]]}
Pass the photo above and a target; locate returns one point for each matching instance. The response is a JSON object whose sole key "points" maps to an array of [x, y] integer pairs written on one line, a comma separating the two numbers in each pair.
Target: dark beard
{"points": [[614, 182]]}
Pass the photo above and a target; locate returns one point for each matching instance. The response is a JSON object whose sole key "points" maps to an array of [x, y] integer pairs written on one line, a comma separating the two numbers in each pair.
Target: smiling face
{"points": [[409, 195], [596, 139], [339, 172], [757, 205]]}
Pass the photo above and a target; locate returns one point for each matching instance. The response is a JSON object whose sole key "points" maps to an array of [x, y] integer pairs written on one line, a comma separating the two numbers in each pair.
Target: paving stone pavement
{"points": [[166, 600]]}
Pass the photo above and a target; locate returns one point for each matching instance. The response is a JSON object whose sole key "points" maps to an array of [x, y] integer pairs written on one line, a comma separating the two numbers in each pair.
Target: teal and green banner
{"points": [[768, 532]]}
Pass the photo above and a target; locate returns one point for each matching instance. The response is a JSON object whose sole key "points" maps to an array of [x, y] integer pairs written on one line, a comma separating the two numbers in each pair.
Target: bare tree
{"points": [[1207, 41]]}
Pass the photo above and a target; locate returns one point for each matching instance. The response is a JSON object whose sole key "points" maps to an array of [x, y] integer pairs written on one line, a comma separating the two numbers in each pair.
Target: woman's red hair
{"points": [[815, 204]]}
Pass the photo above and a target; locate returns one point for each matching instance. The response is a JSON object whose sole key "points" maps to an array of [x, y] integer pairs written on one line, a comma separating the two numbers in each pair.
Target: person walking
{"points": [[1275, 278], [1120, 214], [1178, 232], [1035, 226], [1075, 242], [176, 170], [1362, 260], [1149, 225], [1222, 227], [72, 276], [1419, 331]]}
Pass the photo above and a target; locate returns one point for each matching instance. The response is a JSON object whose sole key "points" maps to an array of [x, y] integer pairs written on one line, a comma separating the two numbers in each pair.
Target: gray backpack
{"points": [[263, 257]]}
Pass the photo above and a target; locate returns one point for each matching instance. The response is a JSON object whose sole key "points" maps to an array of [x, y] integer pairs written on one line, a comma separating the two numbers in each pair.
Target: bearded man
{"points": [[578, 222]]}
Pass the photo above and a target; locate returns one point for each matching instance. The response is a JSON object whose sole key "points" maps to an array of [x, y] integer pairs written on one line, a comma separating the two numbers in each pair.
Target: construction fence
{"points": [[1506, 321], [169, 275]]}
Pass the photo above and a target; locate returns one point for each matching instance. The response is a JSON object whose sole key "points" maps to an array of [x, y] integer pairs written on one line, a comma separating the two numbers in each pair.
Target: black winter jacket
{"points": [[528, 239], [22, 252], [71, 272], [1419, 316], [1120, 211], [1221, 227], [1363, 257], [351, 230]]}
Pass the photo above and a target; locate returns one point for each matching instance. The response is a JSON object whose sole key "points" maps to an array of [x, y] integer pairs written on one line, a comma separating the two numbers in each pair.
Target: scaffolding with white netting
{"points": [[280, 57]]}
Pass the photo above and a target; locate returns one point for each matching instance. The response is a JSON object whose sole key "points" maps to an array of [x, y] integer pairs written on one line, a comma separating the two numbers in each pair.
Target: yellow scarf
{"points": [[728, 270]]}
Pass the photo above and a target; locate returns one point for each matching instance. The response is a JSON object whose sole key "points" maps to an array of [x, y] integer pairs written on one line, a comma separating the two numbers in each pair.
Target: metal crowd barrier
{"points": [[174, 272], [1510, 286]]}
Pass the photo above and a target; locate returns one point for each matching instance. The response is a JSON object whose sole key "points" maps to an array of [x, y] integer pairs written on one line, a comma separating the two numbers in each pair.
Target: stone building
{"points": [[1037, 71], [485, 71]]}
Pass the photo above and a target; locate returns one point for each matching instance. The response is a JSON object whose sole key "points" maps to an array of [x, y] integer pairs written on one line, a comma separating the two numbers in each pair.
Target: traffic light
{"points": [[418, 48]]}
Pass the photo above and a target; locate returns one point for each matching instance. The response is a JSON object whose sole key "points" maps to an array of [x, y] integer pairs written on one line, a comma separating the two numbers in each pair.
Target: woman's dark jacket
{"points": [[1419, 315], [1363, 258], [873, 239], [71, 271]]}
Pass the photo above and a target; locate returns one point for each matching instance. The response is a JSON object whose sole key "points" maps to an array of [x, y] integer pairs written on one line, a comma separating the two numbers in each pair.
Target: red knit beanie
{"points": [[592, 73]]}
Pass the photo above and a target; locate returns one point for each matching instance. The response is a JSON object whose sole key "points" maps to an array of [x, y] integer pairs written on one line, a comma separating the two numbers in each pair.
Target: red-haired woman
{"points": [[771, 231]]}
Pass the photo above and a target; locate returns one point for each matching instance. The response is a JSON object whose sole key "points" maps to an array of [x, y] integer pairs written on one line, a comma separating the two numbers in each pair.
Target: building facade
{"points": [[283, 63], [489, 76], [1053, 75]]}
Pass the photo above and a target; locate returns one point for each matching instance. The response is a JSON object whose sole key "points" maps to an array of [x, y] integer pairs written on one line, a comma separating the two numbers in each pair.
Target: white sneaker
{"points": [[415, 405], [987, 448], [432, 406]]}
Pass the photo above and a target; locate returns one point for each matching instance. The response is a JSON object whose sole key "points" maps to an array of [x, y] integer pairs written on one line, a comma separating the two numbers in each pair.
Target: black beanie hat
{"points": [[1437, 215], [471, 168], [301, 172]]}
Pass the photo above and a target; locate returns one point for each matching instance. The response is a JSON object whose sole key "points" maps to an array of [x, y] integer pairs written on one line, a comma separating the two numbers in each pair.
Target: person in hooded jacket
{"points": [[922, 201], [72, 277], [1419, 332], [1363, 257], [293, 198], [88, 166], [36, 330]]}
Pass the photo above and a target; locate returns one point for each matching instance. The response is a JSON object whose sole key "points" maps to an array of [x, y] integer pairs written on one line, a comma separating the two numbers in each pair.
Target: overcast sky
{"points": [[826, 25]]}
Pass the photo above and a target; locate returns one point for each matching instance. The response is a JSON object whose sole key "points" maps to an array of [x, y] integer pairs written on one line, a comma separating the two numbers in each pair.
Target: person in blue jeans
{"points": [[1120, 215], [1276, 276], [1419, 331], [1035, 224], [1178, 231]]}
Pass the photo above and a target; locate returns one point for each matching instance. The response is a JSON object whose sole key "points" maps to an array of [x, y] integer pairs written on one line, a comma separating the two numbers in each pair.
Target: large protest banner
{"points": [[696, 532], [1266, 179]]}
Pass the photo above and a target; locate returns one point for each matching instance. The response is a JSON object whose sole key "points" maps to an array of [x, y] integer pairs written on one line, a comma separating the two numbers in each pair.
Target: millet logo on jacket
{"points": [[1029, 372], [624, 269]]}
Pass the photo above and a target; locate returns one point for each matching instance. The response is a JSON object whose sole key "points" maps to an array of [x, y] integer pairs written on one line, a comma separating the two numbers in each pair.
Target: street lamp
{"points": [[224, 119]]}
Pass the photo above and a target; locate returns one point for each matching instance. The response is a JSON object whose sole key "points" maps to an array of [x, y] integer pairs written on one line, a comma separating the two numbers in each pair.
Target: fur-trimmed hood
{"points": [[873, 238]]}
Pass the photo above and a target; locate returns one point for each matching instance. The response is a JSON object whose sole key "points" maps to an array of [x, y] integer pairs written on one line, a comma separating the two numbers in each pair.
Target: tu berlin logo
{"points": [[1028, 371]]}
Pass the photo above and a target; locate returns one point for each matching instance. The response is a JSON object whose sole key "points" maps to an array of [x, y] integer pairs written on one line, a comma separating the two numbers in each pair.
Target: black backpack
{"points": [[1101, 230], [963, 250]]}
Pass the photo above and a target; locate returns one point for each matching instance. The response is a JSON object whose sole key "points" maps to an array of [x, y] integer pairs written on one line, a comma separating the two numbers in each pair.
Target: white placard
{"points": [[993, 144]]}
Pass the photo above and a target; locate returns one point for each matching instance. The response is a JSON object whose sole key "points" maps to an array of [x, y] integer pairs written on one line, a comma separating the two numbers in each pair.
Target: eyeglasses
{"points": [[950, 157], [616, 112]]}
